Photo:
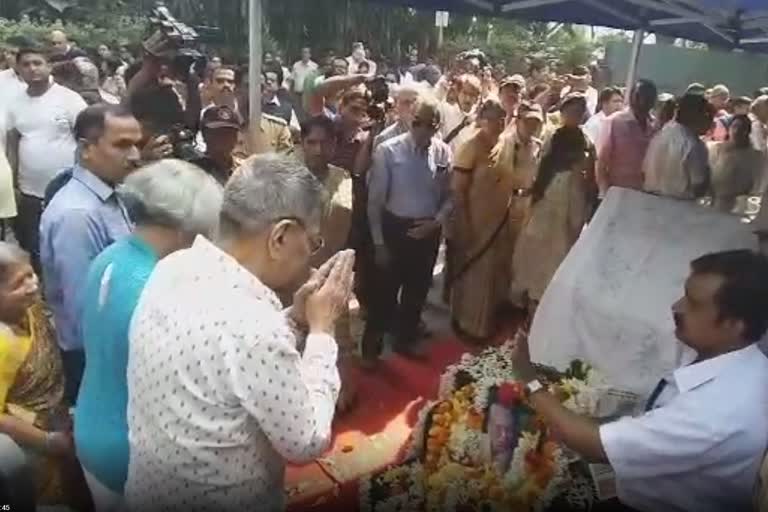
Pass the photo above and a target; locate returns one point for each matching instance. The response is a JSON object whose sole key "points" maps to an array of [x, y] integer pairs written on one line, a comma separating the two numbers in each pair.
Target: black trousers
{"points": [[409, 275], [73, 362], [26, 226]]}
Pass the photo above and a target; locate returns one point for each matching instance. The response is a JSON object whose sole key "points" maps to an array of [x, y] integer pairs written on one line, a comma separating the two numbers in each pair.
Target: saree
{"points": [[484, 240], [32, 388]]}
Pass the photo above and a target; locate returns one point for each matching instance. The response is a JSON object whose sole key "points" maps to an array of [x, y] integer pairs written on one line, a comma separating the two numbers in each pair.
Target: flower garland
{"points": [[455, 471]]}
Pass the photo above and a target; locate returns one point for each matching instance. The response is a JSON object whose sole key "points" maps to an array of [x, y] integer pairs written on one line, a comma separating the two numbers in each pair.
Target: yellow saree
{"points": [[32, 387]]}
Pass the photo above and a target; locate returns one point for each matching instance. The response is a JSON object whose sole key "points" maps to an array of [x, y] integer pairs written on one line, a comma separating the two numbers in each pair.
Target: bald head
{"points": [[60, 41]]}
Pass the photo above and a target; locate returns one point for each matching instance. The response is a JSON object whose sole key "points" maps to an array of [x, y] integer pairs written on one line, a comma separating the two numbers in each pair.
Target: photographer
{"points": [[165, 93]]}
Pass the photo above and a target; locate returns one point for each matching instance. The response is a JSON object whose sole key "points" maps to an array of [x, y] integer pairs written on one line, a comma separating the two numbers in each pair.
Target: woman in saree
{"points": [[171, 203], [32, 409], [563, 198], [493, 174]]}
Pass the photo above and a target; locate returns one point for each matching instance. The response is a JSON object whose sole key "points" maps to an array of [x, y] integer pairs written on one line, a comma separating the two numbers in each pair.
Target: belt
{"points": [[522, 192]]}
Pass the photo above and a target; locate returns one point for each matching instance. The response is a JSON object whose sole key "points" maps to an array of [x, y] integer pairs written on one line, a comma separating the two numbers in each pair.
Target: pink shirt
{"points": [[621, 149]]}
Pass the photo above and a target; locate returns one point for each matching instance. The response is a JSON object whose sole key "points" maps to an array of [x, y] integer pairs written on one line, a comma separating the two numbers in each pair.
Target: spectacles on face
{"points": [[316, 242]]}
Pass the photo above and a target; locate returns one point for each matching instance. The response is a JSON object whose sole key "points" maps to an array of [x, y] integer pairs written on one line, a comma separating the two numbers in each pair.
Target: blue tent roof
{"points": [[725, 23]]}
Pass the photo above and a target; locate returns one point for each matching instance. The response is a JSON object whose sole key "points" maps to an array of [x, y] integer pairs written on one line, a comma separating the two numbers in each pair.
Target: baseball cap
{"points": [[221, 117], [531, 111], [512, 80]]}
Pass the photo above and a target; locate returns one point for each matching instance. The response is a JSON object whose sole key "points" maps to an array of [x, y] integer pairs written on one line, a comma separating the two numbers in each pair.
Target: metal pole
{"points": [[440, 37], [254, 69], [637, 44]]}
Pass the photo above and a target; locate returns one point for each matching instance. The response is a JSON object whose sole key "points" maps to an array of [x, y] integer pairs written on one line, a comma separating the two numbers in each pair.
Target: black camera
{"points": [[175, 41], [183, 141], [379, 103]]}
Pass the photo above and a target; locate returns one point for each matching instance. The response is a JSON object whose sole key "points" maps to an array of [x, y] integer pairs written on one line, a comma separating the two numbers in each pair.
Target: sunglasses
{"points": [[316, 242]]}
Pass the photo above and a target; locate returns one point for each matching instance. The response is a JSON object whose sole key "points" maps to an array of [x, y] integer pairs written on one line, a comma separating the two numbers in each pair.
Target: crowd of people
{"points": [[199, 276]]}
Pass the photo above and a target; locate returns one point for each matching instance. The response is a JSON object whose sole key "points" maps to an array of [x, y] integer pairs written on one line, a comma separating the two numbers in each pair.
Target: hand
{"points": [[423, 228], [157, 148], [381, 256], [521, 359], [316, 280], [60, 444], [325, 305]]}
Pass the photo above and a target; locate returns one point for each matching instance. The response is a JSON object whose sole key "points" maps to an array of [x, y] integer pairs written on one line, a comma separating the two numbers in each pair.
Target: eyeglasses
{"points": [[316, 242]]}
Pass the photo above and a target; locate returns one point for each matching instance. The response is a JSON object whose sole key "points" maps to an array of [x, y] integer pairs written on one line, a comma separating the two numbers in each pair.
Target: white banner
{"points": [[610, 301], [441, 18]]}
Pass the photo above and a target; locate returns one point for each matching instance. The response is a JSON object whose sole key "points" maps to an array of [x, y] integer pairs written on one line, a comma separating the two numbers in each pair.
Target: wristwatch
{"points": [[534, 386]]}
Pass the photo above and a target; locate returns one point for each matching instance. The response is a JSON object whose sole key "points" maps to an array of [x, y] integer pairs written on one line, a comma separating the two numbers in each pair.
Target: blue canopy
{"points": [[725, 23]]}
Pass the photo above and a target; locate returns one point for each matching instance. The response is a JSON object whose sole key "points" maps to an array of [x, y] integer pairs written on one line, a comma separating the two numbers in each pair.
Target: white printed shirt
{"points": [[701, 448], [219, 396]]}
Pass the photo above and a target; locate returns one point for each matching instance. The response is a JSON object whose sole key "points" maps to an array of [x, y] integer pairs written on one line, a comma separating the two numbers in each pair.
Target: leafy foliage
{"points": [[322, 24]]}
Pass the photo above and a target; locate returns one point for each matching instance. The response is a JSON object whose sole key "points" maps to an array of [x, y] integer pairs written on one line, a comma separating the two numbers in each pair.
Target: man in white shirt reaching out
{"points": [[219, 394], [701, 442]]}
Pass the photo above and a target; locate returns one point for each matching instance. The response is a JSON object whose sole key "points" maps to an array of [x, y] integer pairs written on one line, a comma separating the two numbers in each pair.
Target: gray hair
{"points": [[268, 188], [174, 194]]}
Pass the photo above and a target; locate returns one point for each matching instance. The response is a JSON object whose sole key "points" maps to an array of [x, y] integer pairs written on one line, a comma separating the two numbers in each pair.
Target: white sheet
{"points": [[609, 302]]}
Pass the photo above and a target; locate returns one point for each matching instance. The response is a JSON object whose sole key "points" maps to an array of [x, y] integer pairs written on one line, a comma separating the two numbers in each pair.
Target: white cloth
{"points": [[701, 449], [47, 143], [594, 126], [300, 73], [609, 302], [451, 116], [104, 498], [677, 163], [353, 66], [11, 86], [219, 396]]}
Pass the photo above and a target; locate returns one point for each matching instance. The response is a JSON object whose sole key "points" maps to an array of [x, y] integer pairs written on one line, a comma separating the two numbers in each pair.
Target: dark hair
{"points": [[90, 123], [565, 145], [30, 50], [741, 100], [580, 71], [691, 107], [537, 90], [353, 95], [490, 106], [322, 122], [607, 95], [747, 123], [536, 65], [744, 292], [272, 67], [112, 64]]}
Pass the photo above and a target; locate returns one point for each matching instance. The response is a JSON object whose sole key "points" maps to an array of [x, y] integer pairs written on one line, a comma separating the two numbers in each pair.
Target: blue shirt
{"points": [[408, 182], [83, 218], [115, 282]]}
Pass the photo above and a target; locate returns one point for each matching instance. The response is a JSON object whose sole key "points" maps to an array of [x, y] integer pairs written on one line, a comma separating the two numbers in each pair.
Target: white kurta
{"points": [[219, 397]]}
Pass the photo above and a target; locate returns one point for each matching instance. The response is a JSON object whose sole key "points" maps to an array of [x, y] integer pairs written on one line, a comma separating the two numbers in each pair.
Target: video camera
{"points": [[175, 41], [379, 101]]}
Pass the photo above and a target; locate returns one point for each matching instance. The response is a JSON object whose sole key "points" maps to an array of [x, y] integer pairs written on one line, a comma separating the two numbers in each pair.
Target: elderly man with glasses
{"points": [[219, 394], [408, 202]]}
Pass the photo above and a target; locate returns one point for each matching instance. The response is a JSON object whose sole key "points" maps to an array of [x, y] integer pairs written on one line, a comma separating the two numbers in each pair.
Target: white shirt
{"points": [[11, 86], [676, 164], [219, 396], [594, 126], [701, 449], [300, 73], [353, 65], [47, 143], [451, 116]]}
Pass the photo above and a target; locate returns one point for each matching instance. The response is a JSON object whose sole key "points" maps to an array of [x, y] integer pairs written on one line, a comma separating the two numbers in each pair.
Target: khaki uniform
{"points": [[275, 136]]}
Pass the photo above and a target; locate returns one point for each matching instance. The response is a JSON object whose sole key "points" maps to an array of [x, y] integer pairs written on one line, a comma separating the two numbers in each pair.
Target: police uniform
{"points": [[275, 138]]}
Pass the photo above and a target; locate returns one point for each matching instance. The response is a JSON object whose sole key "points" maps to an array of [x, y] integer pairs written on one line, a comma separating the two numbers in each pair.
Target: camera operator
{"points": [[220, 130], [165, 93]]}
